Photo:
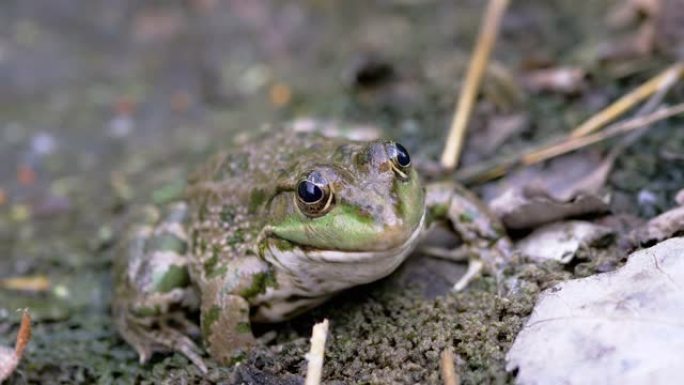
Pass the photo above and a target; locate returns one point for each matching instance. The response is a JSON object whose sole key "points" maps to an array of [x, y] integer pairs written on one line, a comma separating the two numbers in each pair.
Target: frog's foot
{"points": [[473, 272], [489, 259], [459, 254], [485, 243], [153, 292], [163, 336]]}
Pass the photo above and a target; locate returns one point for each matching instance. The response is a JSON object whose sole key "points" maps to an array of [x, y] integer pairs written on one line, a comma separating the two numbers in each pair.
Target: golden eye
{"points": [[401, 161], [314, 197]]}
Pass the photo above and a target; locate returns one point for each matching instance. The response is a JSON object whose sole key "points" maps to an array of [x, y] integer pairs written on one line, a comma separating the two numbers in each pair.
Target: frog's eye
{"points": [[309, 193], [314, 197], [401, 161]]}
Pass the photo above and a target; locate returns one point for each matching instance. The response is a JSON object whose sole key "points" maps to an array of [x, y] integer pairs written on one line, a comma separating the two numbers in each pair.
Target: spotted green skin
{"points": [[238, 248]]}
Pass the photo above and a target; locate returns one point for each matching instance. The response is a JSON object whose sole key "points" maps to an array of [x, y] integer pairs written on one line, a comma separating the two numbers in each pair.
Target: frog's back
{"points": [[228, 194], [258, 164]]}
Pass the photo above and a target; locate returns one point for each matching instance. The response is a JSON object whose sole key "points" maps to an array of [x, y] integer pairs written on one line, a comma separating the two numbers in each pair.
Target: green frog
{"points": [[276, 227]]}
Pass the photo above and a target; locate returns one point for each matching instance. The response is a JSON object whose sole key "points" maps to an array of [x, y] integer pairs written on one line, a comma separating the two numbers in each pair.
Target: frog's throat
{"points": [[283, 257], [308, 277]]}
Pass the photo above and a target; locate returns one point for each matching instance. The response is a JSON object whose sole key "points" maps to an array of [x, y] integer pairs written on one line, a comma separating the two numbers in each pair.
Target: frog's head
{"points": [[360, 197]]}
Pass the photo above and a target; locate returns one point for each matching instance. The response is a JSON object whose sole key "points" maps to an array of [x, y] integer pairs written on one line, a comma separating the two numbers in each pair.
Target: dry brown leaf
{"points": [[499, 128], [622, 327], [659, 26], [665, 225], [567, 186], [561, 241], [523, 209]]}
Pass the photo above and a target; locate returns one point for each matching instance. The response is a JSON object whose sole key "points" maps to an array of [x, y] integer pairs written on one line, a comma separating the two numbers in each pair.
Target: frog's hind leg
{"points": [[153, 293], [485, 243]]}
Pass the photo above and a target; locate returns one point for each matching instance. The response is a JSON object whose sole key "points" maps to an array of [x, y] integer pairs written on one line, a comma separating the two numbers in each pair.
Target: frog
{"points": [[279, 225]]}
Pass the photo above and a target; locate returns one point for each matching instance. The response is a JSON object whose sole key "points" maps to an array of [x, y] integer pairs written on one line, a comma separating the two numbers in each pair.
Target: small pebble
{"points": [[26, 175], [20, 213], [679, 198], [43, 144], [120, 126], [280, 94], [646, 198]]}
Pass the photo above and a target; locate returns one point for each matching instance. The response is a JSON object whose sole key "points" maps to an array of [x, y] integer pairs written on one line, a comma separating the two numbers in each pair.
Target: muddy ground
{"points": [[105, 105]]}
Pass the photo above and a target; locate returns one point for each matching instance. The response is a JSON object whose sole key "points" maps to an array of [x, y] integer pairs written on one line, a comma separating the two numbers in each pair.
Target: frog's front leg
{"points": [[228, 281], [153, 291], [485, 243], [226, 329]]}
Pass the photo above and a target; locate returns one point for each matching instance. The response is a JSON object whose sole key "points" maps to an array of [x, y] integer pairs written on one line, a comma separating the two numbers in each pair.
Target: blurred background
{"points": [[104, 104]]}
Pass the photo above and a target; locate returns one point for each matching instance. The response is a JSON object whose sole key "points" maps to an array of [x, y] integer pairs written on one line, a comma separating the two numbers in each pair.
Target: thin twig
{"points": [[476, 68], [620, 106], [614, 130], [315, 356], [24, 335], [446, 364], [490, 170], [647, 108], [658, 86], [10, 359]]}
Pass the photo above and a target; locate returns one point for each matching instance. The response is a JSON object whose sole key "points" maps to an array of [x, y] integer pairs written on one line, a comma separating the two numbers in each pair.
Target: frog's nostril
{"points": [[379, 159]]}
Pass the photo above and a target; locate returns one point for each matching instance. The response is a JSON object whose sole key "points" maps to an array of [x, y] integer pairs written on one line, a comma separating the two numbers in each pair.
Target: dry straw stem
{"points": [[490, 170], [315, 356], [478, 64], [36, 283], [614, 130], [446, 364], [622, 105], [655, 87]]}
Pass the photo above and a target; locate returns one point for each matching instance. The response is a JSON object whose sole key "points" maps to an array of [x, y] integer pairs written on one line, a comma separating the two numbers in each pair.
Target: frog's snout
{"points": [[390, 156], [378, 157]]}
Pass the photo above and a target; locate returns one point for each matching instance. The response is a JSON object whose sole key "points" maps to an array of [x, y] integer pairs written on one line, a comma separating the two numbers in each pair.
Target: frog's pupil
{"points": [[402, 156], [309, 192]]}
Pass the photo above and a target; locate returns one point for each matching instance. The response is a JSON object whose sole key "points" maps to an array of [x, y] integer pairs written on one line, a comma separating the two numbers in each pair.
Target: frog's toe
{"points": [[148, 339], [175, 340], [459, 254], [473, 272]]}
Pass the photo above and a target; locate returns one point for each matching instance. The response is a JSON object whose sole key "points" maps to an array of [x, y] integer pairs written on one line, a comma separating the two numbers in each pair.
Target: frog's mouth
{"points": [[337, 256], [340, 269]]}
